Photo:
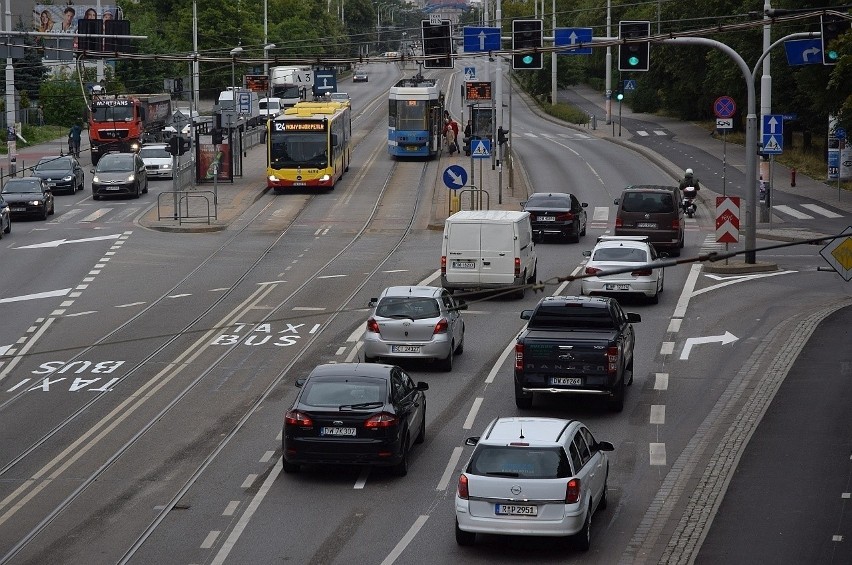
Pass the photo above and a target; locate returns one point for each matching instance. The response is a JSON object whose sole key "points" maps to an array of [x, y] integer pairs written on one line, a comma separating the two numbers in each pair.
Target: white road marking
{"points": [[493, 372], [231, 508], [449, 469], [845, 495], [220, 289], [332, 276], [210, 539], [267, 457], [667, 347], [792, 212], [659, 132], [99, 213], [129, 305], [822, 211], [340, 350], [362, 479], [184, 295], [836, 538], [661, 381], [4, 349], [406, 539], [471, 416], [354, 352], [642, 133], [658, 414], [686, 293], [308, 308], [249, 481], [82, 313], [674, 325], [428, 280], [36, 296], [396, 271], [600, 214], [741, 279], [657, 453], [724, 339]]}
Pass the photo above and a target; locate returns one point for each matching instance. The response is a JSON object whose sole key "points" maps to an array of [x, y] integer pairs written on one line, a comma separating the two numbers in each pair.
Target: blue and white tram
{"points": [[415, 118]]}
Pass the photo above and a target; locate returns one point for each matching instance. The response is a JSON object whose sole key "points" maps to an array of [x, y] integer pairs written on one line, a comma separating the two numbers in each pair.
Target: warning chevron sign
{"points": [[727, 219]]}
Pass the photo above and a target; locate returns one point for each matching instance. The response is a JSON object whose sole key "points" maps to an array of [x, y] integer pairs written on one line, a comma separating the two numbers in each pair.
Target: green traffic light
{"points": [[528, 59], [633, 61], [619, 96], [832, 55]]}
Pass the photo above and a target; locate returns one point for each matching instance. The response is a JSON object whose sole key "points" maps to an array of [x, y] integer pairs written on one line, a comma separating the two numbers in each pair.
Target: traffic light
{"points": [[634, 56], [619, 95], [437, 40], [174, 146], [502, 135], [183, 145], [217, 137], [526, 34], [832, 27], [178, 85]]}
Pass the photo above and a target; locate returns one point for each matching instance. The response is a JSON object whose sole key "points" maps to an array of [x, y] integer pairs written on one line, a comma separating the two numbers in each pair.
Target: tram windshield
{"points": [[411, 115], [298, 149]]}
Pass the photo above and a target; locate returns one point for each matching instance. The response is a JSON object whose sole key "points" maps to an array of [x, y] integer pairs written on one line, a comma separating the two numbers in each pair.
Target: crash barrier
{"points": [[475, 200], [187, 207]]}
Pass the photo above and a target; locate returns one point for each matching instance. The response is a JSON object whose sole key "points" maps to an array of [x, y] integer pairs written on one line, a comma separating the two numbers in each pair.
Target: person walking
{"points": [[468, 130], [74, 139]]}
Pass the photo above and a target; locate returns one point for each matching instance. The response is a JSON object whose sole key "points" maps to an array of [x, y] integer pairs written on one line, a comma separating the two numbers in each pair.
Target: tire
{"points": [[46, 212], [446, 364], [401, 468], [523, 400], [586, 223], [582, 540], [464, 538], [138, 192], [8, 229], [96, 196], [52, 207], [288, 467], [368, 359], [616, 403], [656, 298], [534, 275], [460, 348], [602, 503], [421, 437]]}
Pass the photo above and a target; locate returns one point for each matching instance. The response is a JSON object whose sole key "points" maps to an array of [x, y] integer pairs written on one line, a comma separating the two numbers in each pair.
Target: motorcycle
{"points": [[688, 203]]}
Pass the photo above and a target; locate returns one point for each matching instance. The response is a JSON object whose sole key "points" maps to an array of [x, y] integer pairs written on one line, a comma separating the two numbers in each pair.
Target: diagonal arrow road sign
{"points": [[725, 339], [58, 242]]}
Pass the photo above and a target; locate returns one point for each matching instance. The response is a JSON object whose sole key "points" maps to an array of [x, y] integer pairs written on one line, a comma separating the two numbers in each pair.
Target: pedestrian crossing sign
{"points": [[481, 149]]}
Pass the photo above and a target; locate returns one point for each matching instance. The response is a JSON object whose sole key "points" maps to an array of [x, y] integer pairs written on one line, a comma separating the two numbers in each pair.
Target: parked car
{"points": [[619, 252], [157, 159], [654, 211], [340, 97], [532, 477], [355, 413], [415, 322], [119, 174], [360, 76], [5, 218], [28, 197], [556, 213], [61, 172]]}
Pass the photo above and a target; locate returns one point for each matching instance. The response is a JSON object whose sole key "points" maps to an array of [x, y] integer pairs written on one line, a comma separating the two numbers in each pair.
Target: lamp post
{"points": [[266, 49], [234, 52]]}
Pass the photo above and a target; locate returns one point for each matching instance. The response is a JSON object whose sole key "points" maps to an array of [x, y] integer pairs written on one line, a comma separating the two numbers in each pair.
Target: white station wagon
{"points": [[532, 477]]}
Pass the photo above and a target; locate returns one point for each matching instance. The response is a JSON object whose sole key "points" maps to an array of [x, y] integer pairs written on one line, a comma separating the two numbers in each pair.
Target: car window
{"points": [[590, 440], [576, 458], [575, 204], [548, 202], [53, 164], [407, 307], [406, 384], [623, 254], [154, 153], [21, 186], [574, 317], [107, 165], [649, 202], [522, 462], [448, 301], [582, 448], [338, 392]]}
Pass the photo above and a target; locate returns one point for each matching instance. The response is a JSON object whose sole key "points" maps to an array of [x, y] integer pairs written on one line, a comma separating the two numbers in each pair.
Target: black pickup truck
{"points": [[575, 345]]}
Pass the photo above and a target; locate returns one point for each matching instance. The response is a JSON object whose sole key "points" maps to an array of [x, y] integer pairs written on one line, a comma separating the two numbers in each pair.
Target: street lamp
{"points": [[234, 52], [266, 49]]}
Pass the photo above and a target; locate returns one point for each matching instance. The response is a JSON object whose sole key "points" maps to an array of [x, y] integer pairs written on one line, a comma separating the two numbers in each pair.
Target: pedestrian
{"points": [[450, 134], [468, 130], [454, 125], [74, 139]]}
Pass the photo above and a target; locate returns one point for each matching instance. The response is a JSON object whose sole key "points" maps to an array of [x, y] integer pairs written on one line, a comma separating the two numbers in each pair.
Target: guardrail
{"points": [[191, 207]]}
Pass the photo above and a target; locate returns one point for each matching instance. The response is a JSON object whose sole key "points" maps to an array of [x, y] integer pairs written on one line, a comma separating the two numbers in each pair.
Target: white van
{"points": [[270, 108], [226, 103], [489, 249]]}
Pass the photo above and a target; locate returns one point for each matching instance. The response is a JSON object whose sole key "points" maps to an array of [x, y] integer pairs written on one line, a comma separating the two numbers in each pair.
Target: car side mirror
{"points": [[526, 314], [461, 305], [633, 318], [587, 253], [584, 204], [604, 446], [616, 201], [372, 303], [523, 204], [300, 382], [421, 385], [471, 440]]}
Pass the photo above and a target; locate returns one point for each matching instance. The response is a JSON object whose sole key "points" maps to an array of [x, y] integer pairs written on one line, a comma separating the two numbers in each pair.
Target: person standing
{"points": [[74, 137]]}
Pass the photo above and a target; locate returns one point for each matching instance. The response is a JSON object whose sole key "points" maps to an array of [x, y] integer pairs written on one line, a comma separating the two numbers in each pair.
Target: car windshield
{"points": [[115, 165], [21, 186], [652, 202], [344, 391], [408, 307], [154, 153], [621, 254], [570, 318], [520, 462], [53, 164], [548, 202]]}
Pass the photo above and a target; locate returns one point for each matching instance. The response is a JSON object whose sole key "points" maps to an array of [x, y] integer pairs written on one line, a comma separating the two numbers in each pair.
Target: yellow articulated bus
{"points": [[308, 146]]}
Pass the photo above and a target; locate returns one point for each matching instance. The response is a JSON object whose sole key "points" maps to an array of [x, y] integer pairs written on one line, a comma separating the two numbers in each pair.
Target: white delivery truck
{"points": [[488, 249], [226, 103]]}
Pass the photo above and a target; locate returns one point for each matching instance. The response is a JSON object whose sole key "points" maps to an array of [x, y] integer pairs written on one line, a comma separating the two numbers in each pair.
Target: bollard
{"points": [[594, 122], [793, 176]]}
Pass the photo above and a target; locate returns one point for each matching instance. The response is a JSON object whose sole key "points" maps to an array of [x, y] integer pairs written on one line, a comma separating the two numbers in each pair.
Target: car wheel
{"points": [[460, 348], [421, 436], [583, 538], [447, 362], [616, 403], [401, 468], [584, 228], [464, 538], [46, 212], [96, 196], [534, 275], [288, 467], [8, 228], [145, 190], [138, 192], [603, 501], [52, 207], [656, 298], [523, 400]]}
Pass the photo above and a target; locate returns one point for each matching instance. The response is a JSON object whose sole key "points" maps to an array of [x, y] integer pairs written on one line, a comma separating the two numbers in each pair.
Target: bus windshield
{"points": [[298, 149], [112, 113], [411, 115]]}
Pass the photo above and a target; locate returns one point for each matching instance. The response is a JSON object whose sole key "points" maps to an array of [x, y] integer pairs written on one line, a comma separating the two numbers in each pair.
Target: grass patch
{"points": [[564, 112], [35, 135]]}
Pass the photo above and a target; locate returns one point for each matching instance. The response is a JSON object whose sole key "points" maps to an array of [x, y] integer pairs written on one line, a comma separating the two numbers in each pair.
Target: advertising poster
{"points": [[211, 156], [65, 18]]}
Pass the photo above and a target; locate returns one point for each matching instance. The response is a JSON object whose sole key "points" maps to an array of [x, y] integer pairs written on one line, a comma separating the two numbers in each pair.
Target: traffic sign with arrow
{"points": [[773, 129], [570, 36]]}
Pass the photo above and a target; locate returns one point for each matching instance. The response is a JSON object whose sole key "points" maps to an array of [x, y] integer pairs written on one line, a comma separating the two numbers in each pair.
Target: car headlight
{"points": [[131, 178], [96, 179], [34, 202], [134, 147], [66, 179]]}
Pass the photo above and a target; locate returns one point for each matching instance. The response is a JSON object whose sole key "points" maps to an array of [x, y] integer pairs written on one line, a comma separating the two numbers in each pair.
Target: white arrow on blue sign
{"points": [[569, 36], [803, 52], [455, 177], [773, 134], [479, 39]]}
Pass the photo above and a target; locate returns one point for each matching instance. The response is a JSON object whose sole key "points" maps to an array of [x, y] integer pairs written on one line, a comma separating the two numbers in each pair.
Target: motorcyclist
{"points": [[689, 180]]}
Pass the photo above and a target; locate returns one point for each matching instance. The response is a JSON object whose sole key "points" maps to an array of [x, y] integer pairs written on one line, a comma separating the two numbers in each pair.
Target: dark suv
{"points": [[119, 174], [653, 211], [556, 213]]}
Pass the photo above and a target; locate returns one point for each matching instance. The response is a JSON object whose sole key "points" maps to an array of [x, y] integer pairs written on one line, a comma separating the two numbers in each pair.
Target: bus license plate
{"points": [[515, 510], [572, 381]]}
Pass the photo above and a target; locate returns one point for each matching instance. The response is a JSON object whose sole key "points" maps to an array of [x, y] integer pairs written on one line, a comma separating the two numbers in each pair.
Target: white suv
{"points": [[532, 477]]}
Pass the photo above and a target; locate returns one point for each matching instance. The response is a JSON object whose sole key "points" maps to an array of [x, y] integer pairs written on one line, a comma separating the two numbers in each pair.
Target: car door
{"points": [[579, 213], [78, 172], [627, 336], [453, 315], [597, 463], [587, 474], [404, 401]]}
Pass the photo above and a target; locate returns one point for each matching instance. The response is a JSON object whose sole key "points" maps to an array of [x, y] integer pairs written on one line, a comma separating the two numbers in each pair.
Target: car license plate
{"points": [[405, 349], [575, 381], [113, 188], [616, 287], [515, 510], [18, 209], [546, 218], [298, 183], [464, 264], [337, 431], [647, 225], [51, 184]]}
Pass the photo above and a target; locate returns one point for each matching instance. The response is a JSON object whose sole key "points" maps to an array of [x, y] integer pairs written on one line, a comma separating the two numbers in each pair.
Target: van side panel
{"points": [[498, 253], [463, 253]]}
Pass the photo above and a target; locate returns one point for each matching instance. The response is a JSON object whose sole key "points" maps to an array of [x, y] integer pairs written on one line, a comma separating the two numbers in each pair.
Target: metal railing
{"points": [[191, 207]]}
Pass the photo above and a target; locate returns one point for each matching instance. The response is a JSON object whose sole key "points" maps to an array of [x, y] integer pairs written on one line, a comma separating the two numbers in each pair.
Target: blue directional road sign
{"points": [[455, 177], [478, 39], [325, 80], [773, 134], [567, 36], [480, 148], [803, 52]]}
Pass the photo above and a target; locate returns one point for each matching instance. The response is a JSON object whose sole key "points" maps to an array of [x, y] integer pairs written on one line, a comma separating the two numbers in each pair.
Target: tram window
{"points": [[392, 113], [412, 115]]}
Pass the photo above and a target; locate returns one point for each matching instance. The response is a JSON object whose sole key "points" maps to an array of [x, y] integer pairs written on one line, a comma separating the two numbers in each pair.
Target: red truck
{"points": [[122, 122]]}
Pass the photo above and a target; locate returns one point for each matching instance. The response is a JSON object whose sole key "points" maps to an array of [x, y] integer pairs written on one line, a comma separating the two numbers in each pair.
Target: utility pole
{"points": [[10, 100]]}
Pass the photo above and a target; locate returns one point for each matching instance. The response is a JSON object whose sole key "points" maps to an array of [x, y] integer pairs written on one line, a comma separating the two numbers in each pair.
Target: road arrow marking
{"points": [[725, 339], [58, 242]]}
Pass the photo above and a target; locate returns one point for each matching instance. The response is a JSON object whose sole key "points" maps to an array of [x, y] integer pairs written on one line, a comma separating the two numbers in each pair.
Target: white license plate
{"points": [[337, 431], [405, 349], [298, 183], [546, 218], [51, 184], [113, 188], [464, 264], [575, 381], [647, 225], [616, 287], [18, 209], [515, 510]]}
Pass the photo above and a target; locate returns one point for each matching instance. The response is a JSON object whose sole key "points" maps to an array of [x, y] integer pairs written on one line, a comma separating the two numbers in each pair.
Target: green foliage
{"points": [[62, 101]]}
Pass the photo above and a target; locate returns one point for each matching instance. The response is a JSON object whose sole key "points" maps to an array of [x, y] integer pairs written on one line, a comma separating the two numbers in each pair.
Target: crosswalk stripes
{"points": [[643, 133], [801, 215], [108, 215], [822, 211], [710, 245]]}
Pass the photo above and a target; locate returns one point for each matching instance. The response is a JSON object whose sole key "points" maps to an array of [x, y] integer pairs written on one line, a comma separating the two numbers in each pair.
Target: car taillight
{"points": [[298, 418], [592, 271], [619, 223], [462, 489], [641, 273], [612, 360], [565, 217], [443, 264], [517, 267], [372, 325], [519, 356], [676, 224], [381, 420], [572, 491], [441, 327]]}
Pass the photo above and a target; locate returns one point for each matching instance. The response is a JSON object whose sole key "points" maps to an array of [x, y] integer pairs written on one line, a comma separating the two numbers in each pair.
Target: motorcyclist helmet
{"points": [[688, 172]]}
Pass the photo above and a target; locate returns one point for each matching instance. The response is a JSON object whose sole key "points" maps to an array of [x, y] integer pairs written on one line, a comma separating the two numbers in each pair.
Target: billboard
{"points": [[56, 18]]}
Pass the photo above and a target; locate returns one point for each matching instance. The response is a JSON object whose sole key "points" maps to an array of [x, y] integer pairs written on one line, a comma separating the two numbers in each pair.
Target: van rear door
{"points": [[498, 253], [463, 257]]}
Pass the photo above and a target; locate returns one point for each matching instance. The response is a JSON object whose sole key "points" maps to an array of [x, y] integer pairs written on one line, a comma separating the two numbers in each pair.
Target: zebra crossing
{"points": [[800, 215], [106, 214]]}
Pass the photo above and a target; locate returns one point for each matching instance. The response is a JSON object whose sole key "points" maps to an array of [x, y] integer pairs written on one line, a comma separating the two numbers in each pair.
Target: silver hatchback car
{"points": [[415, 322]]}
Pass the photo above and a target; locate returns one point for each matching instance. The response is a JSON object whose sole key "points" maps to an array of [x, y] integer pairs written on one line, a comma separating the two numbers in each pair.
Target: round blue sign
{"points": [[840, 133], [724, 107], [455, 177]]}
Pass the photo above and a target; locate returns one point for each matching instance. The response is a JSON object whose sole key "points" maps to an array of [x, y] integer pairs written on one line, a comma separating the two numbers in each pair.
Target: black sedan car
{"points": [[61, 172], [119, 174], [556, 213], [355, 413], [28, 197]]}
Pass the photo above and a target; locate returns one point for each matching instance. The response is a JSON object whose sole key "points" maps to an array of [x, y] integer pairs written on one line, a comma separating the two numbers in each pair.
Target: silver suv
{"points": [[532, 477]]}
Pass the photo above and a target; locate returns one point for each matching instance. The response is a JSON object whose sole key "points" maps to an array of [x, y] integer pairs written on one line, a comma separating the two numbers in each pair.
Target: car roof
{"points": [[532, 430], [24, 180], [637, 241], [556, 194], [412, 291], [351, 369]]}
